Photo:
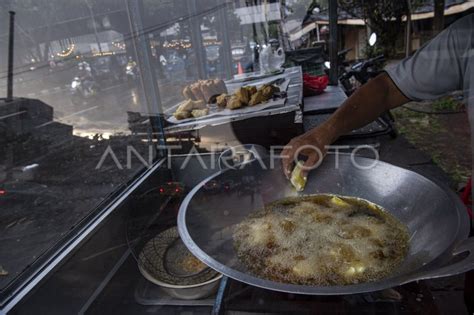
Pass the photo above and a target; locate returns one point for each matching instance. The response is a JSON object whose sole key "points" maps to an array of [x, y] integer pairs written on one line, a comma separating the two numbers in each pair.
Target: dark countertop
{"points": [[329, 100]]}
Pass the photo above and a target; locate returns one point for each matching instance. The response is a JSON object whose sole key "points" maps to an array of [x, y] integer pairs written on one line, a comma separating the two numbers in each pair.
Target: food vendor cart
{"points": [[93, 192]]}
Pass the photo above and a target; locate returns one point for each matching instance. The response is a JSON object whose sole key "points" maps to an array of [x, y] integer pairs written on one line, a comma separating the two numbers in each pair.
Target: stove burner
{"points": [[165, 259]]}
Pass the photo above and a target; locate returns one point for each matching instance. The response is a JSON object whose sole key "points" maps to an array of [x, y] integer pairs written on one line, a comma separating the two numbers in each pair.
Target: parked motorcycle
{"points": [[360, 73], [342, 62], [354, 76]]}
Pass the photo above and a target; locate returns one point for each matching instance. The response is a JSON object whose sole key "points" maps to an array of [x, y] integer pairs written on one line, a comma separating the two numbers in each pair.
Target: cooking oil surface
{"points": [[321, 240]]}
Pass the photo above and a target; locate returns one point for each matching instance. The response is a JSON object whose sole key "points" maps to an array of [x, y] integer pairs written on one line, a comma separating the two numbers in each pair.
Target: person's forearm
{"points": [[365, 105]]}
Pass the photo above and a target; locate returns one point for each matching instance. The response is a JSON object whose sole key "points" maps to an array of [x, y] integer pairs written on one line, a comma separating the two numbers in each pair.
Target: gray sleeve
{"points": [[435, 69]]}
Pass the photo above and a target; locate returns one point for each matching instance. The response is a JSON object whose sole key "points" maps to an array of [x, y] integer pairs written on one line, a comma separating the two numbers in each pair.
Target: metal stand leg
{"points": [[218, 309]]}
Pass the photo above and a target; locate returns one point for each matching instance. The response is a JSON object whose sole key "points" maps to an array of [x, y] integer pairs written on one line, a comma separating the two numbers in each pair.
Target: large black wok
{"points": [[436, 219]]}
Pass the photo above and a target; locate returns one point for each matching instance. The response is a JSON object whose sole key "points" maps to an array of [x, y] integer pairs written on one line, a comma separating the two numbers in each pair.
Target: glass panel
{"points": [[70, 136], [93, 80]]}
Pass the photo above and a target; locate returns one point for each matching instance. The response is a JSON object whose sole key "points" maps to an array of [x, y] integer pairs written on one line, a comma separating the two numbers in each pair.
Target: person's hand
{"points": [[311, 144]]}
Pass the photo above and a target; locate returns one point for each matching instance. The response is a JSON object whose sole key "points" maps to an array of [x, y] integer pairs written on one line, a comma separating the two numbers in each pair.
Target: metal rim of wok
{"points": [[460, 245]]}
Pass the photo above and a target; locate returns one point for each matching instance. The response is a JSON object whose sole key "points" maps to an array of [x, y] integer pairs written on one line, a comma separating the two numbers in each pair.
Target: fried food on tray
{"points": [[196, 89], [199, 105], [243, 94], [222, 99], [257, 98], [263, 94], [182, 115], [212, 88], [234, 102], [196, 113], [205, 90], [188, 107], [247, 96], [252, 89], [188, 94], [268, 90]]}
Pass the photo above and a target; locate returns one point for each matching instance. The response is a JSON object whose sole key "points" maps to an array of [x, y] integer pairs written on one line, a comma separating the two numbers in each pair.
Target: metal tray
{"points": [[292, 104]]}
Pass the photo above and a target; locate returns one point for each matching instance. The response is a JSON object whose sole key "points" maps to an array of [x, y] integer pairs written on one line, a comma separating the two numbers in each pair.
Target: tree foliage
{"points": [[385, 17]]}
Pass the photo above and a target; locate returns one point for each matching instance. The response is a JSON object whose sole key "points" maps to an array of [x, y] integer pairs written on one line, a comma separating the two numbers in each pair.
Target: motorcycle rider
{"points": [[85, 76], [131, 69], [131, 62]]}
